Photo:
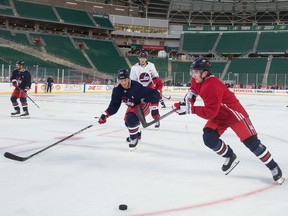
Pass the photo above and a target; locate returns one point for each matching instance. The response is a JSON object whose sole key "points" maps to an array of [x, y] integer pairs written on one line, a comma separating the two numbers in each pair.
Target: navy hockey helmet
{"points": [[202, 64], [123, 74], [143, 54], [20, 63]]}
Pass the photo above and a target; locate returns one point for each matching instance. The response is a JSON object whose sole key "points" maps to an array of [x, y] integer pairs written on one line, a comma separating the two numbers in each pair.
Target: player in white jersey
{"points": [[145, 73]]}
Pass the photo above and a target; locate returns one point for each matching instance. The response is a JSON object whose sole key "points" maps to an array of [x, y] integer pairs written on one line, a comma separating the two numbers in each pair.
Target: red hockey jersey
{"points": [[220, 104]]}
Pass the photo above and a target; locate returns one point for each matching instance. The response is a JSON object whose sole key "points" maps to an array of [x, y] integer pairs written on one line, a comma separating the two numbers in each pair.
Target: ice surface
{"points": [[171, 173]]}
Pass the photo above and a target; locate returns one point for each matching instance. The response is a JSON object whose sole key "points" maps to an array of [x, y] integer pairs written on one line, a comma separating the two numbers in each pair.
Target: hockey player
{"points": [[223, 110], [133, 94], [145, 73], [21, 80]]}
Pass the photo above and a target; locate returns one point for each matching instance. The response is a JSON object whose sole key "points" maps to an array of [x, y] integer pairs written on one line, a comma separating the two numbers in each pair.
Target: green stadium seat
{"points": [[6, 11], [236, 43], [104, 55], [103, 22], [35, 11], [199, 42], [63, 47], [5, 3], [77, 17], [273, 42]]}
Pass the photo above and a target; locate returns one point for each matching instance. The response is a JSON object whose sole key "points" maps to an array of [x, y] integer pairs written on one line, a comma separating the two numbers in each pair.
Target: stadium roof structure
{"points": [[191, 12], [212, 12]]}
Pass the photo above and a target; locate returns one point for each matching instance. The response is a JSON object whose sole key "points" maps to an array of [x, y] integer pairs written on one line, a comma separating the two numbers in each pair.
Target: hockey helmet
{"points": [[123, 74], [143, 54], [202, 64], [20, 63]]}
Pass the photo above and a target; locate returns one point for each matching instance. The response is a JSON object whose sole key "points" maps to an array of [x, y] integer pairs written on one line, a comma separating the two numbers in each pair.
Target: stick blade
{"points": [[14, 157]]}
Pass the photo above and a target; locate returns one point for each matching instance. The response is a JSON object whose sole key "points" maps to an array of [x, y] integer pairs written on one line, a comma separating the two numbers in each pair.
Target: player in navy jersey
{"points": [[133, 94], [21, 80]]}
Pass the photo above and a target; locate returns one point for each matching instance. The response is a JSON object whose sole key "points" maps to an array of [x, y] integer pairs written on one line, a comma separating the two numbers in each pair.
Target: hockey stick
{"points": [[18, 158], [168, 98], [147, 124], [32, 101], [29, 97]]}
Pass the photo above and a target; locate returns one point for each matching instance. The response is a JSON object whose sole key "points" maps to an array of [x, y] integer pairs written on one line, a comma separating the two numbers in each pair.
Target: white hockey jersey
{"points": [[143, 74]]}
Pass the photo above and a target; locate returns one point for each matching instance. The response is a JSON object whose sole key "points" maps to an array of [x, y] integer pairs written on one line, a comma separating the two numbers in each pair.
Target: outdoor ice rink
{"points": [[172, 173]]}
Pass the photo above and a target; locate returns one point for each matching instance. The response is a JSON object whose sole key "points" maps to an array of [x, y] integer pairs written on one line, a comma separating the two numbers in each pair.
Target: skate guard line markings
{"points": [[206, 204]]}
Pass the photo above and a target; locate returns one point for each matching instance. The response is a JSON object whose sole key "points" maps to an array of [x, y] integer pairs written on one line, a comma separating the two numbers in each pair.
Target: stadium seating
{"points": [[199, 42], [77, 17], [103, 22], [279, 66], [6, 11], [63, 47], [236, 43], [104, 55], [246, 70], [5, 3], [273, 42], [10, 56], [35, 11], [16, 37]]}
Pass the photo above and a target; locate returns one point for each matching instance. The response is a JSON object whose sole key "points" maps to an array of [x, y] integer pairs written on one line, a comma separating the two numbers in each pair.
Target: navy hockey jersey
{"points": [[132, 96]]}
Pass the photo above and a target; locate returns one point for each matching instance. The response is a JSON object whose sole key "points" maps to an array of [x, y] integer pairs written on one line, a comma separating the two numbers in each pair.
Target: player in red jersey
{"points": [[223, 110]]}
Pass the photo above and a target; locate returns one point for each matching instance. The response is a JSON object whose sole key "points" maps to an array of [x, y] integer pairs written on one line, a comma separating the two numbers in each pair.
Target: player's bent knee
{"points": [[23, 100], [131, 120], [210, 138], [13, 99]]}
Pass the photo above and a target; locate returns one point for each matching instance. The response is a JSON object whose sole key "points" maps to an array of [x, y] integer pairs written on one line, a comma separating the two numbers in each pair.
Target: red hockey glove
{"points": [[103, 118], [158, 83], [181, 108], [154, 111], [14, 83]]}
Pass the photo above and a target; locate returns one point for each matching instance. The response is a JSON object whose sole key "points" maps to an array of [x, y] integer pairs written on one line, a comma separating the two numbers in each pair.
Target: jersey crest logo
{"points": [[144, 77]]}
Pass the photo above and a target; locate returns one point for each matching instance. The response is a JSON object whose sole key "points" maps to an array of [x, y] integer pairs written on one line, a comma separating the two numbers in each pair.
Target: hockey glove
{"points": [[191, 96], [181, 108], [157, 83], [154, 111], [14, 83], [190, 99], [103, 118]]}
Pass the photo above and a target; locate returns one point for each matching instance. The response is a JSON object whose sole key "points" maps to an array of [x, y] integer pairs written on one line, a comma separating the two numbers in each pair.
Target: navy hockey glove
{"points": [[181, 108], [103, 118], [154, 111]]}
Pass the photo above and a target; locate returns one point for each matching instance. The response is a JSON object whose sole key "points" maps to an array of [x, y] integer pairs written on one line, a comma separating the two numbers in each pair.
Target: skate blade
{"points": [[15, 115], [233, 165], [133, 148], [24, 117], [281, 180]]}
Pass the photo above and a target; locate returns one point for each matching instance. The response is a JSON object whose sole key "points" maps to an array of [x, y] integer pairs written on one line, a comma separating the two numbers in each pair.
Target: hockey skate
{"points": [[16, 113], [229, 164], [139, 137], [277, 175], [133, 144], [157, 124], [163, 106], [25, 115]]}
